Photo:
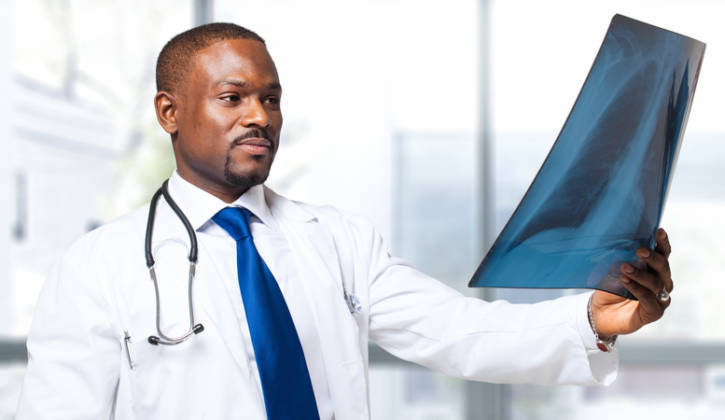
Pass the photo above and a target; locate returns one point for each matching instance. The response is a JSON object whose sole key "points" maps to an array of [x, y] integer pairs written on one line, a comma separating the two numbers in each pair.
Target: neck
{"points": [[227, 193]]}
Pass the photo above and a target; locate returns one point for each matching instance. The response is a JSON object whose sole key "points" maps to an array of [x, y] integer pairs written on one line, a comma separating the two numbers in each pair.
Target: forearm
{"points": [[544, 343]]}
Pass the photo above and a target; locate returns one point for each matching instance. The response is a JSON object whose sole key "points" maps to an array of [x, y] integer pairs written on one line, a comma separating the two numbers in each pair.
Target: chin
{"points": [[245, 179]]}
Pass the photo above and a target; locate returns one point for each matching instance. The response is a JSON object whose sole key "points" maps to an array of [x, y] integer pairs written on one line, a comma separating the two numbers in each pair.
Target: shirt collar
{"points": [[200, 206]]}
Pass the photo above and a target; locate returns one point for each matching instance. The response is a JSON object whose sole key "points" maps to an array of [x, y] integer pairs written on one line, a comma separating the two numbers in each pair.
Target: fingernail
{"points": [[624, 279], [628, 268], [643, 253]]}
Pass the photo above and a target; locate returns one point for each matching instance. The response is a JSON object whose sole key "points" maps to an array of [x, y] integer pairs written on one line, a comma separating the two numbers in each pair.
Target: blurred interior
{"points": [[429, 118]]}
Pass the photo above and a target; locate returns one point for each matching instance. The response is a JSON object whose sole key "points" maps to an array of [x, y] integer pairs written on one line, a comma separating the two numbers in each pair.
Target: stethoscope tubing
{"points": [[150, 263]]}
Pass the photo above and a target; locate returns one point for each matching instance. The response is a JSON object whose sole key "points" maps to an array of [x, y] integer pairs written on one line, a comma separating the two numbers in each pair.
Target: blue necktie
{"points": [[285, 380]]}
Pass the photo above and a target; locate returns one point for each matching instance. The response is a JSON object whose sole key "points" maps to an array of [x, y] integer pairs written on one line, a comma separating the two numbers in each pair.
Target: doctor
{"points": [[289, 294]]}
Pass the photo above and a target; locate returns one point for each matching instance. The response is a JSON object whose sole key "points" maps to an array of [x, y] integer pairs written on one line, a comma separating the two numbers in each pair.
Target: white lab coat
{"points": [[78, 367]]}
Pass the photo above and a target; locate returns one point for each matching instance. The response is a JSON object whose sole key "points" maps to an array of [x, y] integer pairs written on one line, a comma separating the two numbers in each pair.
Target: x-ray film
{"points": [[601, 191]]}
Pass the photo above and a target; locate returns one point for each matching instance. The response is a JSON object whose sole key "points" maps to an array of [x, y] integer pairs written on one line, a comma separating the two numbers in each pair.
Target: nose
{"points": [[255, 114]]}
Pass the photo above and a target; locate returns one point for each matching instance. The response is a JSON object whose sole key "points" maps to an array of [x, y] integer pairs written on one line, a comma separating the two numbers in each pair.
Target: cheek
{"points": [[210, 120], [276, 122], [214, 130]]}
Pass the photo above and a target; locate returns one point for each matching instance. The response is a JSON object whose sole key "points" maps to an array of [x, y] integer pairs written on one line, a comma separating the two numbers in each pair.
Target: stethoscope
{"points": [[193, 253], [351, 300]]}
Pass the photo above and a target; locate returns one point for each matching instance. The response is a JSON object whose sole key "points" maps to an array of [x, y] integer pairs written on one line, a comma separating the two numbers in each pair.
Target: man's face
{"points": [[228, 118]]}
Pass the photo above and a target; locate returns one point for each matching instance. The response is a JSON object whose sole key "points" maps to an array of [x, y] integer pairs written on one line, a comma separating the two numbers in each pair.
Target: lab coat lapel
{"points": [[317, 260]]}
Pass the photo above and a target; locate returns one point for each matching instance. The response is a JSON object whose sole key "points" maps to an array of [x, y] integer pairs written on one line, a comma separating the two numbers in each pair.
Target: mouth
{"points": [[255, 145]]}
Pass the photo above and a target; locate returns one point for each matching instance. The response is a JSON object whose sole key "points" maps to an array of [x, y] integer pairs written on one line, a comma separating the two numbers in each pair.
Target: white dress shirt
{"points": [[199, 207]]}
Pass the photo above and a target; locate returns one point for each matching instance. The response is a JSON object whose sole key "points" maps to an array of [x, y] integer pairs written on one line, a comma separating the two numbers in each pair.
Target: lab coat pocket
{"points": [[139, 352], [154, 370]]}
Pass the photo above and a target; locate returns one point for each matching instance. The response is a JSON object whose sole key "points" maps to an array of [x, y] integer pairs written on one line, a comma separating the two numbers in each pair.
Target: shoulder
{"points": [[113, 237], [89, 265], [335, 219]]}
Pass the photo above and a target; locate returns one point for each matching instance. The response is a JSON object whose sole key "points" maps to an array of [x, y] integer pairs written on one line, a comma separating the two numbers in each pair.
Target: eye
{"points": [[230, 98], [273, 100]]}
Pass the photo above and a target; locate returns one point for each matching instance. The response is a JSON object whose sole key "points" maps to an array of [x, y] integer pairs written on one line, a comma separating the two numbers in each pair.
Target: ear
{"points": [[166, 111]]}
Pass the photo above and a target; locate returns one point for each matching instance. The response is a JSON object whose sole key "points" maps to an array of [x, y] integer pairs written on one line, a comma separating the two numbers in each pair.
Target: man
{"points": [[288, 294]]}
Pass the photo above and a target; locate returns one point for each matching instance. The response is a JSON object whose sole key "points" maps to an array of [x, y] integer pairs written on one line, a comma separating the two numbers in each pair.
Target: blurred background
{"points": [[430, 118]]}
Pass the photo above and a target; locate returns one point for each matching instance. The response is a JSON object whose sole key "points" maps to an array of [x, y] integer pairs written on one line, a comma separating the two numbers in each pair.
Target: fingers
{"points": [[648, 280], [659, 275], [659, 265], [652, 308], [646, 284], [663, 243]]}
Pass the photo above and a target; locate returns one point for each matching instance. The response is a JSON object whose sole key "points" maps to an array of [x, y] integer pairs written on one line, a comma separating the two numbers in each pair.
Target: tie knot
{"points": [[235, 220]]}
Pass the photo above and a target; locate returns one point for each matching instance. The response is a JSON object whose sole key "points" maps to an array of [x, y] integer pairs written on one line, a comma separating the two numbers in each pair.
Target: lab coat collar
{"points": [[200, 206], [287, 209]]}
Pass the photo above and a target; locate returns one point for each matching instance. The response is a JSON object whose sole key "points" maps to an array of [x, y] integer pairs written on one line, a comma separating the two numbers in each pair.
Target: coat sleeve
{"points": [[73, 352], [419, 319]]}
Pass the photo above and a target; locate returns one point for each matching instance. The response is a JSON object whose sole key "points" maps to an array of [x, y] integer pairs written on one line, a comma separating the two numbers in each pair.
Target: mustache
{"points": [[255, 132]]}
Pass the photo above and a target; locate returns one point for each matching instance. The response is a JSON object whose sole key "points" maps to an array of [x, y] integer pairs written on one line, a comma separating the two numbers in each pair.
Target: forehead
{"points": [[243, 59]]}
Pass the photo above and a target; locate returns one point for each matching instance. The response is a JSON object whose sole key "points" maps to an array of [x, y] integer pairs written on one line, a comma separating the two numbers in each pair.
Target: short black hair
{"points": [[175, 58]]}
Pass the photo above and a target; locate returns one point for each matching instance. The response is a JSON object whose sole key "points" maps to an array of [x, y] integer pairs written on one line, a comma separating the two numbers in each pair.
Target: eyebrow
{"points": [[241, 83], [235, 82]]}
